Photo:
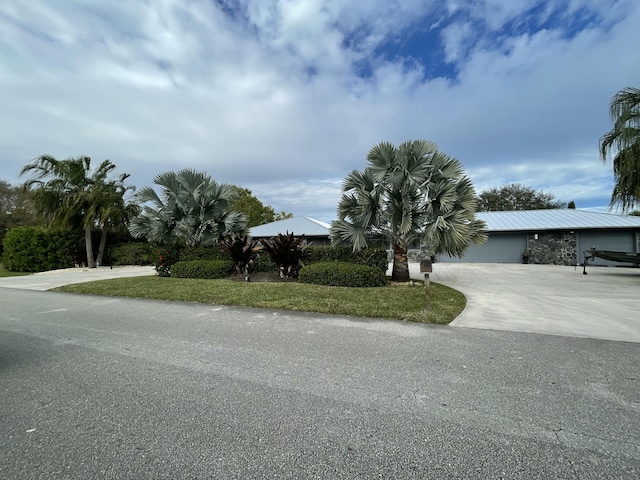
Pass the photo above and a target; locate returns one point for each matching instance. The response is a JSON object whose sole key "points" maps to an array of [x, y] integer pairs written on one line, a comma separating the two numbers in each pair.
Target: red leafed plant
{"points": [[286, 252]]}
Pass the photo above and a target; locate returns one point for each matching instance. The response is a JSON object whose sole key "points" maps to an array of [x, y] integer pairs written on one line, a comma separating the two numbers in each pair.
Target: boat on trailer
{"points": [[623, 257]]}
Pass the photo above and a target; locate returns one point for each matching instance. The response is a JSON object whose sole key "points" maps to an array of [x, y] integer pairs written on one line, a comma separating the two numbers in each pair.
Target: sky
{"points": [[286, 97]]}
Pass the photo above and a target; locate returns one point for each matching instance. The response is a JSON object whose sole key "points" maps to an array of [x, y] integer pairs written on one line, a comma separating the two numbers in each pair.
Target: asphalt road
{"points": [[111, 388]]}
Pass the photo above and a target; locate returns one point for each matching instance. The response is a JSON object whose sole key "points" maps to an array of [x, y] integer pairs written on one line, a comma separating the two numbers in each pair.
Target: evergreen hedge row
{"points": [[33, 249], [132, 253], [343, 274], [202, 269], [372, 257]]}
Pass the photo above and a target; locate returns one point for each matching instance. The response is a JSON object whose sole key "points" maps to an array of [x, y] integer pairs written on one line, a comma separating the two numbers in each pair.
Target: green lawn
{"points": [[393, 302], [6, 273]]}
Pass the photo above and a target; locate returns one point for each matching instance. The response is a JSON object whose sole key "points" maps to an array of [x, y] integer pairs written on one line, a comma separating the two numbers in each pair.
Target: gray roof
{"points": [[513, 221], [306, 226], [557, 219]]}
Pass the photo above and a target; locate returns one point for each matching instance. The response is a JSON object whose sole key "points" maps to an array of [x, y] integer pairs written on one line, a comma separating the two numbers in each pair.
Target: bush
{"points": [[187, 254], [202, 269], [163, 259], [241, 251], [343, 274], [134, 253], [32, 249], [372, 257], [263, 263], [286, 252]]}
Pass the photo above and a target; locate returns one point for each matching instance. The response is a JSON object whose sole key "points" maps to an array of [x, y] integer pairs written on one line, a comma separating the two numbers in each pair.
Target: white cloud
{"points": [[269, 96]]}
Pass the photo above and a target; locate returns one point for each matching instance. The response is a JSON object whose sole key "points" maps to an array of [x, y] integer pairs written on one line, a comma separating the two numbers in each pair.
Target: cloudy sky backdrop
{"points": [[285, 97]]}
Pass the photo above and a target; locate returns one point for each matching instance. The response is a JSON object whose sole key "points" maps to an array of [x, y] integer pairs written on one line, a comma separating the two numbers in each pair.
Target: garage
{"points": [[558, 236], [499, 248]]}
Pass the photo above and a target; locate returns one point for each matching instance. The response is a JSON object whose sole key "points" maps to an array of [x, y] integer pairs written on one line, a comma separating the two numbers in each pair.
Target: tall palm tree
{"points": [[192, 208], [407, 194], [70, 194], [113, 212], [623, 142]]}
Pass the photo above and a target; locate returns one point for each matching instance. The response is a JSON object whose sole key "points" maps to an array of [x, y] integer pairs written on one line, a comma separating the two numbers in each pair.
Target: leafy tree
{"points": [[406, 194], [515, 196], [16, 209], [254, 210], [623, 142], [73, 196], [191, 208]]}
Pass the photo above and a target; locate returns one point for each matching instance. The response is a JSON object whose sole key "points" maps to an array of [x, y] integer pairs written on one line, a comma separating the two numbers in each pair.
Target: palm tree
{"points": [[70, 194], [113, 212], [623, 141], [407, 194], [192, 208]]}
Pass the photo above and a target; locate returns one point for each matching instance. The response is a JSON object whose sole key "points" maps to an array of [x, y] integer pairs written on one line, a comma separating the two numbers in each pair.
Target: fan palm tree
{"points": [[70, 194], [192, 208], [407, 194], [623, 142]]}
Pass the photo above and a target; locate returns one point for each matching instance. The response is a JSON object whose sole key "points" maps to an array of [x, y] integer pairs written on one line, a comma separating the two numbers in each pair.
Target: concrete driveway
{"points": [[56, 278], [549, 299]]}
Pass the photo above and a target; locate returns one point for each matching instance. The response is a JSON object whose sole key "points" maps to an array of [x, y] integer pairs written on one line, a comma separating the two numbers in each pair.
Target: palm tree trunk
{"points": [[400, 272], [91, 262], [103, 242]]}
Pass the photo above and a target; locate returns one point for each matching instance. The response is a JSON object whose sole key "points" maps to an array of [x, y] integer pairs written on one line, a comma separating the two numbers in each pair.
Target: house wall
{"points": [[553, 248], [499, 248], [606, 239]]}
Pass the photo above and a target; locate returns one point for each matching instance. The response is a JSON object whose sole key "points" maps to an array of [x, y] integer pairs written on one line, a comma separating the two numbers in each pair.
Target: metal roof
{"points": [[512, 221], [306, 226], [556, 219]]}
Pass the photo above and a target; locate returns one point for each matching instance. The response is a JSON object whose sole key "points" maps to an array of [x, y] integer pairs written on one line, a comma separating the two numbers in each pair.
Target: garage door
{"points": [[618, 241], [499, 248]]}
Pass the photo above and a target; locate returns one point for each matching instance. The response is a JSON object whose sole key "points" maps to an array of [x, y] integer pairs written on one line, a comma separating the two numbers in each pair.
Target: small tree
{"points": [[286, 252]]}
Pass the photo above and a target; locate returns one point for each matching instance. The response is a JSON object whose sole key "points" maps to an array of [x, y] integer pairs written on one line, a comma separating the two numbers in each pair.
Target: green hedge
{"points": [[263, 263], [32, 249], [134, 253], [372, 257], [187, 254], [202, 269], [342, 274]]}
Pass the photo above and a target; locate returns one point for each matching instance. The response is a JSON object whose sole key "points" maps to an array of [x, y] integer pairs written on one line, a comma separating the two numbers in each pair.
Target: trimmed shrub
{"points": [[202, 269], [134, 253], [187, 254], [32, 249], [372, 257], [342, 274]]}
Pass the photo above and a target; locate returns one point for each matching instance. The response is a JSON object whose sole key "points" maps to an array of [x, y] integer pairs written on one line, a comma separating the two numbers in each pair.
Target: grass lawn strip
{"points": [[395, 302], [6, 273]]}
